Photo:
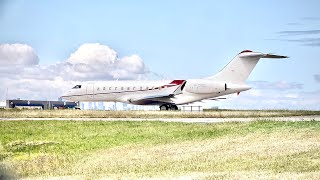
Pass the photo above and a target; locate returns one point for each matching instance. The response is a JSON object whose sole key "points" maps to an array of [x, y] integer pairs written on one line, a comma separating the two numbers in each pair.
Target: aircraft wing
{"points": [[215, 99], [155, 99], [159, 98]]}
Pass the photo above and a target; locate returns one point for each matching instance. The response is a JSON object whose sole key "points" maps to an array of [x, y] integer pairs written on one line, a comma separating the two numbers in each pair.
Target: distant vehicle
{"points": [[169, 94]]}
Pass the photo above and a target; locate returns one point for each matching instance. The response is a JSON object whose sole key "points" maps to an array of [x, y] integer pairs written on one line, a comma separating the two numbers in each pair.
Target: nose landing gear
{"points": [[171, 107]]}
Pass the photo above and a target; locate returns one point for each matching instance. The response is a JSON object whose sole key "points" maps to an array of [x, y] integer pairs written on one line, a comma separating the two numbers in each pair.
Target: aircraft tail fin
{"points": [[240, 67]]}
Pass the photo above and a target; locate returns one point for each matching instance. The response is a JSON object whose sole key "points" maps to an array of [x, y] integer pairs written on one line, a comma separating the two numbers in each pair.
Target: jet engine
{"points": [[205, 86]]}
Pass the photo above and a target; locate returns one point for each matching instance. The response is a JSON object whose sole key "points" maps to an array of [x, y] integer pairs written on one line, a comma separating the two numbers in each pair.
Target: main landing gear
{"points": [[171, 107]]}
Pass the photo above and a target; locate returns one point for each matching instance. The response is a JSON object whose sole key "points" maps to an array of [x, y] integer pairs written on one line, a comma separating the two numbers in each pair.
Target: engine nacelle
{"points": [[204, 86]]}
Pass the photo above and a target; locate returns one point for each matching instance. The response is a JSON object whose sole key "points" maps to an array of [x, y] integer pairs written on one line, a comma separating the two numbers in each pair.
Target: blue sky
{"points": [[177, 39]]}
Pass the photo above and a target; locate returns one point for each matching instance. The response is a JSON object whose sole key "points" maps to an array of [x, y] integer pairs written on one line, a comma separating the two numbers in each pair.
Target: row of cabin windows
{"points": [[123, 88]]}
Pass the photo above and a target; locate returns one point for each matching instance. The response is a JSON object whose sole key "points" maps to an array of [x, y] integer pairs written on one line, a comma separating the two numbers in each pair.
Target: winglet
{"points": [[180, 88]]}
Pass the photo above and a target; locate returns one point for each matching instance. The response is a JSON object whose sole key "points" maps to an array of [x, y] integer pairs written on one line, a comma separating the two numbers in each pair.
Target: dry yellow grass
{"points": [[242, 156], [216, 175], [13, 113], [225, 158]]}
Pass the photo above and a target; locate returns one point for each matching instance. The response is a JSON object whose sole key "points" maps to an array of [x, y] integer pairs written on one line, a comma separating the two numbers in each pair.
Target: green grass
{"points": [[16, 113], [82, 136], [160, 149]]}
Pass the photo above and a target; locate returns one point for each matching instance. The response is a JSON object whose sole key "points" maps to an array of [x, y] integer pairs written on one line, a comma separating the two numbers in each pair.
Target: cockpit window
{"points": [[77, 87]]}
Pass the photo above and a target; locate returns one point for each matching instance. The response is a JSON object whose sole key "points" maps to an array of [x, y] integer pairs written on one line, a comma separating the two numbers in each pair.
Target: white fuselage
{"points": [[127, 91]]}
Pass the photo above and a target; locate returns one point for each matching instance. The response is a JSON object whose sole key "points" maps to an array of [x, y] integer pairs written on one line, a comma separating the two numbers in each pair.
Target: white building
{"points": [[3, 104]]}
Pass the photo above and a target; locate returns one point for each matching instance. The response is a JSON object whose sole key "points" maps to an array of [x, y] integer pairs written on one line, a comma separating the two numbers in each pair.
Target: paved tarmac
{"points": [[184, 120]]}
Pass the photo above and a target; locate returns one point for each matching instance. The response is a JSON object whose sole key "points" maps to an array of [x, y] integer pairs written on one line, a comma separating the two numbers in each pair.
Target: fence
{"points": [[191, 108]]}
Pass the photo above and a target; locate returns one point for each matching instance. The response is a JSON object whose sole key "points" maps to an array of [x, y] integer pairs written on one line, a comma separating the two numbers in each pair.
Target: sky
{"points": [[46, 47]]}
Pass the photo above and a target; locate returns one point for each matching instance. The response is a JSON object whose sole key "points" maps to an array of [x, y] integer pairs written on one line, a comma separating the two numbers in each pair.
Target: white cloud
{"points": [[272, 99], [17, 54], [25, 78], [273, 95], [279, 85], [93, 54], [292, 95], [255, 92], [128, 66], [35, 89], [100, 62]]}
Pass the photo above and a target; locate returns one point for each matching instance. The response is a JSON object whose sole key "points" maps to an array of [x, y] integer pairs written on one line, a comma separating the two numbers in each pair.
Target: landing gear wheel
{"points": [[163, 107], [174, 108], [171, 107]]}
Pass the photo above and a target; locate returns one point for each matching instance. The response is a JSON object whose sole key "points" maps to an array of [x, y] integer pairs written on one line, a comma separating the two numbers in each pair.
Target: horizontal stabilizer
{"points": [[273, 56], [259, 55]]}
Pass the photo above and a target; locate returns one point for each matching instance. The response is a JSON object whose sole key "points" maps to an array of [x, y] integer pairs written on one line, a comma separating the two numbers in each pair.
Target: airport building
{"points": [[111, 106], [2, 104], [30, 104]]}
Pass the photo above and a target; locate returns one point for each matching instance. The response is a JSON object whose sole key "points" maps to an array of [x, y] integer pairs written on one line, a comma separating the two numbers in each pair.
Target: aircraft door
{"points": [[90, 91]]}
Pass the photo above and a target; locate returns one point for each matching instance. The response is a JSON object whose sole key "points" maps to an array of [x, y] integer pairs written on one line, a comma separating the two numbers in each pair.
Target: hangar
{"points": [[35, 104]]}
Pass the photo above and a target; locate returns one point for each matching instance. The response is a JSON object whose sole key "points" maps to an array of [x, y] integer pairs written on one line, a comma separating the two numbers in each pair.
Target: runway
{"points": [[183, 120]]}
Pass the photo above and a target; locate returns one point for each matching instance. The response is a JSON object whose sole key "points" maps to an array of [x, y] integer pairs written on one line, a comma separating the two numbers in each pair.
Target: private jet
{"points": [[167, 94]]}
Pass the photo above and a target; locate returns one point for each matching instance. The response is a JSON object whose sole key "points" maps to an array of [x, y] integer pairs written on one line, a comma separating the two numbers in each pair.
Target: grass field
{"points": [[97, 149], [15, 113]]}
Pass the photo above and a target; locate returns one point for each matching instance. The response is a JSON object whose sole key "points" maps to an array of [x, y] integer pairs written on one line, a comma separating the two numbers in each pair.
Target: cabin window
{"points": [[110, 88], [133, 88], [98, 89], [128, 88], [104, 88], [121, 88], [147, 88], [140, 88], [115, 88], [77, 87]]}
